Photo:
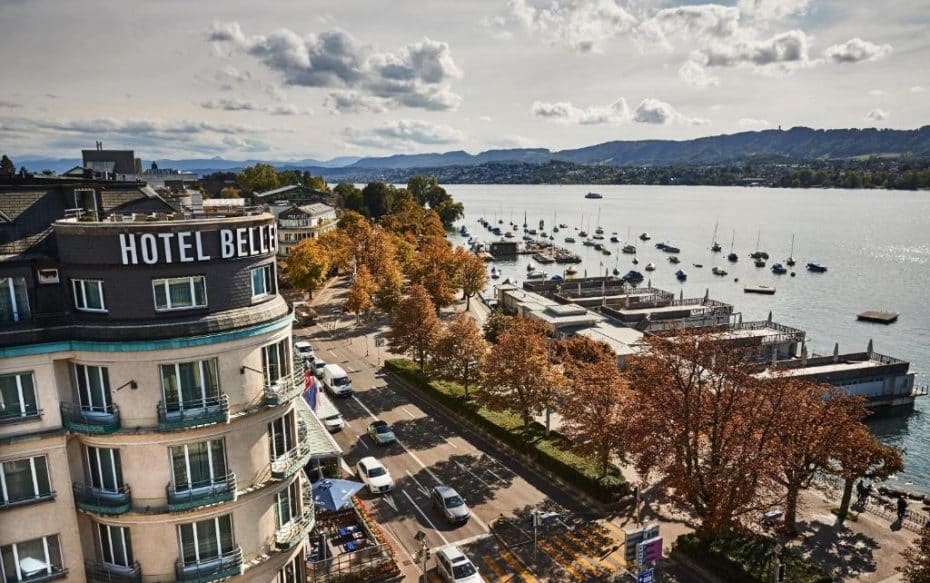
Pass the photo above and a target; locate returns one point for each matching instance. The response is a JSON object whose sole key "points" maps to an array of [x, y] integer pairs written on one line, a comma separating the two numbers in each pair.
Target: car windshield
{"points": [[375, 472], [454, 501], [382, 429], [333, 417], [341, 381], [463, 570]]}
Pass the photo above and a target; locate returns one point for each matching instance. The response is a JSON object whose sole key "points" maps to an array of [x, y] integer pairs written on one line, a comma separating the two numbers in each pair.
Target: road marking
{"points": [[401, 545], [469, 540], [495, 474], [574, 555], [422, 489], [425, 517], [489, 563], [621, 534], [517, 565], [404, 409], [554, 554], [583, 547], [389, 500], [450, 442], [472, 473], [401, 443], [361, 440]]}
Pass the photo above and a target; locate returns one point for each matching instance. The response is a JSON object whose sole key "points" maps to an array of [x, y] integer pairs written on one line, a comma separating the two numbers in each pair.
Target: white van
{"points": [[336, 381]]}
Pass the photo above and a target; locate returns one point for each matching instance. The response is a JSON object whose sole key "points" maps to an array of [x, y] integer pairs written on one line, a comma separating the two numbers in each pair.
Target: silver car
{"points": [[448, 503]]}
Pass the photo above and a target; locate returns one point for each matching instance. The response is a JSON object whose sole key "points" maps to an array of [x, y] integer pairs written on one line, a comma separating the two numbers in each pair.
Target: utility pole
{"points": [[423, 553], [535, 516]]}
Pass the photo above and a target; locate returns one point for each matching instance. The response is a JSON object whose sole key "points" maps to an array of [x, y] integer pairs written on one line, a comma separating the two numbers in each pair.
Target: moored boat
{"points": [[633, 276], [681, 275], [650, 266], [674, 259], [645, 237], [816, 268], [593, 195], [732, 257], [717, 271], [614, 239], [536, 275], [569, 239], [629, 249], [759, 262], [779, 269]]}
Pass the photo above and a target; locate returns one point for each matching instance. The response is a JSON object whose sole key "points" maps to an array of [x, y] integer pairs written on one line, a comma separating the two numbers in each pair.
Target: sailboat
{"points": [[599, 230], [525, 225], [757, 254], [555, 225], [582, 232], [732, 257], [789, 261], [715, 246]]}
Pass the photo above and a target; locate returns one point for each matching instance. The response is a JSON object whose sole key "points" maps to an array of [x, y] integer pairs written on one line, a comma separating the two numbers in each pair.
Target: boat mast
{"points": [[733, 240], [792, 246], [714, 239]]}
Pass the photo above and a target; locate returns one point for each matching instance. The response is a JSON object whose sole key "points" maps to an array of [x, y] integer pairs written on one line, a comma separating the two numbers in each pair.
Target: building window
{"points": [[115, 545], [190, 385], [104, 470], [288, 504], [31, 559], [276, 361], [14, 302], [206, 540], [88, 295], [262, 281], [196, 465], [25, 479], [293, 572], [283, 437], [17, 396], [93, 383], [180, 293]]}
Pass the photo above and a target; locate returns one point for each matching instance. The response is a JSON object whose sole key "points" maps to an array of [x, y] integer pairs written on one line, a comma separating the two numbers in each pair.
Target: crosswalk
{"points": [[585, 553]]}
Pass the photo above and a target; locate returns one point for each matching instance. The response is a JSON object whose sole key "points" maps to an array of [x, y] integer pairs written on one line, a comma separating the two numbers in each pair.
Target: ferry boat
{"points": [[816, 268], [594, 195]]}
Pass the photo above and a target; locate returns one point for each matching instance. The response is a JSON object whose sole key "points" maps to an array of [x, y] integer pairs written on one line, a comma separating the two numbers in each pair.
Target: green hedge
{"points": [[748, 559], [552, 452]]}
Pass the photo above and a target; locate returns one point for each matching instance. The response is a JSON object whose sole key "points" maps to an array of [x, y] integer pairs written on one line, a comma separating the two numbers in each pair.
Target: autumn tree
{"points": [[258, 178], [307, 265], [379, 198], [916, 568], [703, 429], [458, 350], [390, 284], [861, 456], [434, 270], [414, 327], [808, 439], [359, 297], [578, 350], [471, 274], [496, 324], [230, 192], [338, 248], [595, 411], [410, 218], [516, 374], [379, 252]]}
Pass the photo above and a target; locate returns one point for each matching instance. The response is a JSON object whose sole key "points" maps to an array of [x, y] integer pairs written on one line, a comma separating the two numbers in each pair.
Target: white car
{"points": [[304, 349], [375, 475], [454, 567]]}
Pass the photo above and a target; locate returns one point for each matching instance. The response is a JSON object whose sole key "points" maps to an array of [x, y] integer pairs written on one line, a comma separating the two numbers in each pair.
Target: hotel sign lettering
{"points": [[191, 246]]}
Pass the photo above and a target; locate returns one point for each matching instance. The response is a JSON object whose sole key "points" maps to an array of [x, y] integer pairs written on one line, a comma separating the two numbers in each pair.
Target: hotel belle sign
{"points": [[189, 246]]}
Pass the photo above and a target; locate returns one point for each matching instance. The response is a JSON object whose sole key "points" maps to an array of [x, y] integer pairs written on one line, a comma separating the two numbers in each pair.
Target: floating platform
{"points": [[759, 289], [878, 317]]}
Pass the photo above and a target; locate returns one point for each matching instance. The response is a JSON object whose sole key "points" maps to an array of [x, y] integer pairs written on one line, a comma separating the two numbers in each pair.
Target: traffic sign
{"points": [[649, 551], [379, 341], [647, 576]]}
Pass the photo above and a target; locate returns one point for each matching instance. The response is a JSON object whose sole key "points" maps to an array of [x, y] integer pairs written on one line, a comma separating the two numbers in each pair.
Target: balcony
{"points": [[190, 497], [227, 565], [90, 421], [45, 576], [291, 534], [207, 412], [30, 415], [99, 501], [17, 502], [284, 389], [293, 460], [98, 572]]}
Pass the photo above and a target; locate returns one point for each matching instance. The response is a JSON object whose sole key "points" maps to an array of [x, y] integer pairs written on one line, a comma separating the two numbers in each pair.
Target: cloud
{"points": [[748, 122], [703, 22], [485, 118], [695, 74], [403, 134], [876, 92], [418, 75], [878, 114], [235, 104], [9, 104], [353, 102], [653, 111], [771, 9], [580, 25], [856, 50], [565, 112], [917, 89], [786, 50]]}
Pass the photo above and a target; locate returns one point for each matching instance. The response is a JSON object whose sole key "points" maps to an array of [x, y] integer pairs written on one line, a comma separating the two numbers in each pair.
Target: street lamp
{"points": [[423, 552]]}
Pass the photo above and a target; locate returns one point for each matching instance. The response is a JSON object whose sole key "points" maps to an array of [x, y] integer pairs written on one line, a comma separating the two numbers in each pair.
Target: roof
{"points": [[317, 437], [624, 341]]}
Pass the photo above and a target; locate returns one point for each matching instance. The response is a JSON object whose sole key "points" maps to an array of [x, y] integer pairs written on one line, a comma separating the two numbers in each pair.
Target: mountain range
{"points": [[799, 143]]}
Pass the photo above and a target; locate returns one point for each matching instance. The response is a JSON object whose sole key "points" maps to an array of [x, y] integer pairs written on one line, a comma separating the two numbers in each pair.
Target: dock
{"points": [[759, 289], [878, 317]]}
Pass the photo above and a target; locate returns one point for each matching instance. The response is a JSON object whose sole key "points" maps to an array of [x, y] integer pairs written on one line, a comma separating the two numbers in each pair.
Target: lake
{"points": [[876, 245]]}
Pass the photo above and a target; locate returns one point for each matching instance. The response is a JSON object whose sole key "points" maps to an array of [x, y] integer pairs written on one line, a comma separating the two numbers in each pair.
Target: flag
{"points": [[310, 389]]}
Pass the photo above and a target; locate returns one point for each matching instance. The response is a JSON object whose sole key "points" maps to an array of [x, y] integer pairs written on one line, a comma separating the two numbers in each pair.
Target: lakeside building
{"points": [[762, 340], [561, 320], [296, 223], [151, 425]]}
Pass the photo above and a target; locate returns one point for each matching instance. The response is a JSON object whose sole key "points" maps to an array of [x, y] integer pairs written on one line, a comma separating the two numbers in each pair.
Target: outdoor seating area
{"points": [[346, 542]]}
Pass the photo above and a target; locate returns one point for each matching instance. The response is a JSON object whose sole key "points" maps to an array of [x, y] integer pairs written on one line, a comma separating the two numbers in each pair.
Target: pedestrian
{"points": [[860, 490], [902, 508]]}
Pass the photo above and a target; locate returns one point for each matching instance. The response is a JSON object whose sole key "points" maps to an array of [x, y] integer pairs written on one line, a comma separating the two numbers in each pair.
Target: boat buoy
{"points": [[736, 279], [792, 274]]}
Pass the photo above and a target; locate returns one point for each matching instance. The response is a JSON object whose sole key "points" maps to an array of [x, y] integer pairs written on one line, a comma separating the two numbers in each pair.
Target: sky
{"points": [[319, 79]]}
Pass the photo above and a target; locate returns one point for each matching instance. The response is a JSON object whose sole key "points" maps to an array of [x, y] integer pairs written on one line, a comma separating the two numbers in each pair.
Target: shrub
{"points": [[749, 559]]}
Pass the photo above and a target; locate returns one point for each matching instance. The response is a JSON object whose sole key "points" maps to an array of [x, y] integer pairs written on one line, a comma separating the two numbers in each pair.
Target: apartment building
{"points": [[150, 421]]}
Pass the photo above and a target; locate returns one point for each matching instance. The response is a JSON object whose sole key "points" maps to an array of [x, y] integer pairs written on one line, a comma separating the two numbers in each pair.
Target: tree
{"points": [[458, 350], [350, 198], [415, 326], [379, 252], [230, 192], [379, 198], [449, 211], [516, 374], [338, 249], [390, 288], [314, 182], [701, 426], [307, 265], [916, 568], [595, 411], [418, 186], [359, 299], [258, 178], [7, 167], [434, 269], [471, 274], [862, 456], [811, 437], [409, 218], [496, 324], [574, 351]]}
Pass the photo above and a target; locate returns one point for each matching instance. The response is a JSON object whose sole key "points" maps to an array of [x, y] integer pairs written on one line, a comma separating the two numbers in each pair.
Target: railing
{"points": [[97, 572], [28, 415], [84, 420], [294, 459], [192, 414], [100, 501], [204, 494], [42, 497], [226, 565], [284, 389], [365, 564], [39, 577], [920, 391], [290, 535]]}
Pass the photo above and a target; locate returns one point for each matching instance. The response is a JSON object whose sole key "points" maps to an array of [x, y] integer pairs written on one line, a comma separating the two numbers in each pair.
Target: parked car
{"points": [[381, 433], [375, 475], [454, 567], [329, 414], [318, 365], [448, 503], [336, 381], [305, 350]]}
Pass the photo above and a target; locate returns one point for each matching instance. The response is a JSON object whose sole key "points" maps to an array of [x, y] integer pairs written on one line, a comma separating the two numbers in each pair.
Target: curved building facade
{"points": [[151, 425]]}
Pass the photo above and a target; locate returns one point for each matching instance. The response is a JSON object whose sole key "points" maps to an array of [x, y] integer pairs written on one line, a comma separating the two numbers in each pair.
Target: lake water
{"points": [[876, 245]]}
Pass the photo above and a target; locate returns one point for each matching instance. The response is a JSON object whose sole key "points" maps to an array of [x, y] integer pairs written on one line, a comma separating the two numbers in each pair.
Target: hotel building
{"points": [[151, 425]]}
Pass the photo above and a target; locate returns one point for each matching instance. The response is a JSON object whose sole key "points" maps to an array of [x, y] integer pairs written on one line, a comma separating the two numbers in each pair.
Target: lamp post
{"points": [[423, 553]]}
